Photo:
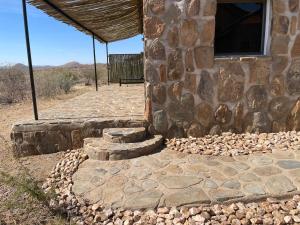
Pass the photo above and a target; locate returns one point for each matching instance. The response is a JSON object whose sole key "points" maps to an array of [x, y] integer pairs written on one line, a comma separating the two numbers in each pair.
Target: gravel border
{"points": [[270, 211], [230, 144]]}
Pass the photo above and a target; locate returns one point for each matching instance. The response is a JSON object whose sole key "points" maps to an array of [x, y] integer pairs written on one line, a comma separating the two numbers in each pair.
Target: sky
{"points": [[52, 42]]}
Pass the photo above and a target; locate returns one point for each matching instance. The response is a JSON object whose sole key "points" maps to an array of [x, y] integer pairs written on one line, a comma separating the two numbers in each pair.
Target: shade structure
{"points": [[107, 20]]}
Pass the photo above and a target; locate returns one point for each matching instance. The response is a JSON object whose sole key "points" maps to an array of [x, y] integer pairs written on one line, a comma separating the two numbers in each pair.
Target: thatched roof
{"points": [[108, 20]]}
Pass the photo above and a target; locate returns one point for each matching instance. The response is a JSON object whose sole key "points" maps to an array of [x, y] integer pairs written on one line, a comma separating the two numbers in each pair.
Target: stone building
{"points": [[222, 65], [211, 66]]}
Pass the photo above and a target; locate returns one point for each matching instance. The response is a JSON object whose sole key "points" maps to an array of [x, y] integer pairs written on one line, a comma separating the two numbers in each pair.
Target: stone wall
{"points": [[191, 92], [45, 137]]}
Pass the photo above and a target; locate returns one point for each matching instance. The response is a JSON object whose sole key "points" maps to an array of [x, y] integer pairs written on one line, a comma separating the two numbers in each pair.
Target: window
{"points": [[240, 27]]}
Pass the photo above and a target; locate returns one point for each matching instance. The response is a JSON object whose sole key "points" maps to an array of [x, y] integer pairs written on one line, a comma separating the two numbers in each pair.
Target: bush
{"points": [[49, 82], [54, 82], [66, 81], [89, 75], [13, 85], [46, 85]]}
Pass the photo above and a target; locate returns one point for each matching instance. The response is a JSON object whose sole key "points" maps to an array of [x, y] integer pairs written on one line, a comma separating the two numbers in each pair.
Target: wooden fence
{"points": [[125, 66]]}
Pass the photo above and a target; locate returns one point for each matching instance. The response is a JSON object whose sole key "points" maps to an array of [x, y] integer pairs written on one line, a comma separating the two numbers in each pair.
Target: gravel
{"points": [[230, 144], [270, 211]]}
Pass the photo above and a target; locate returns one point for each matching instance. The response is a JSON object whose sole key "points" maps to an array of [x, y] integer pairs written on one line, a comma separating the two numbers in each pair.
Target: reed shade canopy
{"points": [[107, 20]]}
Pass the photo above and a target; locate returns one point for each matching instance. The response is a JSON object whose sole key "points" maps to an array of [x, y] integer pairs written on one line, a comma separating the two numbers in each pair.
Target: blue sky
{"points": [[52, 42]]}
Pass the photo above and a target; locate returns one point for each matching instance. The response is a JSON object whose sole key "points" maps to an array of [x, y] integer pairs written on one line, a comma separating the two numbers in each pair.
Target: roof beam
{"points": [[72, 19]]}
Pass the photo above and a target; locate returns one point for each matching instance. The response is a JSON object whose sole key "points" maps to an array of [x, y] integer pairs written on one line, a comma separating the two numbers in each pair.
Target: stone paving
{"points": [[125, 102], [65, 125], [122, 143], [171, 179]]}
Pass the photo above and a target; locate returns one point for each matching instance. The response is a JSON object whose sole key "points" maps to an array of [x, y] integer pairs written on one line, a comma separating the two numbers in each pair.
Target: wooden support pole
{"points": [[95, 64], [29, 60]]}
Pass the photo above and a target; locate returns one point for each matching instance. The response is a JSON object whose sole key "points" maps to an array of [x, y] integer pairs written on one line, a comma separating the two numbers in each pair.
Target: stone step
{"points": [[124, 135], [100, 149]]}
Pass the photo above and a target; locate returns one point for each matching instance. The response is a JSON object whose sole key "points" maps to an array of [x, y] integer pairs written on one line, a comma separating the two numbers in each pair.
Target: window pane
{"points": [[239, 28]]}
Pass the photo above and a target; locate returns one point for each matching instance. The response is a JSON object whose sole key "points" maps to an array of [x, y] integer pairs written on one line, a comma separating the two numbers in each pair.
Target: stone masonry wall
{"points": [[45, 137], [190, 92]]}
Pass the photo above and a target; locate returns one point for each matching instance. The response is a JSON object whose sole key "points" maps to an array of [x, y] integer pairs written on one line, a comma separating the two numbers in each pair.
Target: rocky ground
{"points": [[230, 144], [269, 211], [17, 206], [20, 203]]}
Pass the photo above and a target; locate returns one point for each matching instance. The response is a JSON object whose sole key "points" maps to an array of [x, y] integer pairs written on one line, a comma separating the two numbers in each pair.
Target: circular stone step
{"points": [[99, 149], [124, 135]]}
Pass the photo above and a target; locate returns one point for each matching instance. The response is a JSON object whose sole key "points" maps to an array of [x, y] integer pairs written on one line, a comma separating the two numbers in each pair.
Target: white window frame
{"points": [[268, 19]]}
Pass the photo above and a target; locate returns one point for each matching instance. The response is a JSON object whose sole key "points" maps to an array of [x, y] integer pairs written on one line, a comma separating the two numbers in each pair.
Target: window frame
{"points": [[266, 26]]}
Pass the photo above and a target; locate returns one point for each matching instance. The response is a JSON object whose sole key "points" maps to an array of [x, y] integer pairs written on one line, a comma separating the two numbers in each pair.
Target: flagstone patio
{"points": [[125, 102], [172, 179], [167, 178], [65, 125]]}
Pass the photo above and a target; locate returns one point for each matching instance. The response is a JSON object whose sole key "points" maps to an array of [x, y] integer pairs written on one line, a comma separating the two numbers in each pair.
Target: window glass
{"points": [[240, 28]]}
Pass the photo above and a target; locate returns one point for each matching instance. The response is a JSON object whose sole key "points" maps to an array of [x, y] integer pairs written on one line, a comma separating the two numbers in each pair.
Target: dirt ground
{"points": [[16, 205], [9, 114]]}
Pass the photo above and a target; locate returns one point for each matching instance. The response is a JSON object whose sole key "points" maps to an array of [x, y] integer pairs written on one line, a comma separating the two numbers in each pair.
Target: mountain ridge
{"points": [[69, 65]]}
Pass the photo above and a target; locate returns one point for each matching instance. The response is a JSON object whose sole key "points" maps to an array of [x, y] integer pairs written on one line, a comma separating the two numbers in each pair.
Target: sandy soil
{"points": [[9, 114], [31, 211]]}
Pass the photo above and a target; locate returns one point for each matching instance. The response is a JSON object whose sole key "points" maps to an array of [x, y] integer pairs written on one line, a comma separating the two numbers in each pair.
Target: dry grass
{"points": [[11, 113], [25, 203], [22, 202]]}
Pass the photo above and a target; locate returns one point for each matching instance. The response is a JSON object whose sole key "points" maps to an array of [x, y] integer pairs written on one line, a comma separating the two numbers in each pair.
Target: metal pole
{"points": [[107, 63], [95, 64], [29, 60]]}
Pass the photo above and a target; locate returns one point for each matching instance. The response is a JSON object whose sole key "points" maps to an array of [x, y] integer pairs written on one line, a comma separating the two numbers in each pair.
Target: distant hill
{"points": [[72, 65], [20, 66], [69, 65], [42, 67]]}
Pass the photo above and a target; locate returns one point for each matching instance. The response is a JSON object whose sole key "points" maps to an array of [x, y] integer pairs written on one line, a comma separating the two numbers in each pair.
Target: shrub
{"points": [[53, 82], [13, 85], [89, 76], [47, 85], [66, 81], [49, 82]]}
